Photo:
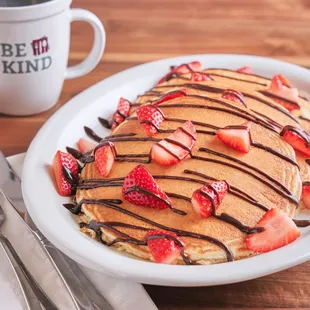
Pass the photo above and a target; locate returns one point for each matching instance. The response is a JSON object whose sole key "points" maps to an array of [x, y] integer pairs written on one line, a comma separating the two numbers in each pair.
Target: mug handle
{"points": [[96, 52]]}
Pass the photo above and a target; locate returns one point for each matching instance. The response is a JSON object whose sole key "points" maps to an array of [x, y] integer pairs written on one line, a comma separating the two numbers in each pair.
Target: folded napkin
{"points": [[121, 294]]}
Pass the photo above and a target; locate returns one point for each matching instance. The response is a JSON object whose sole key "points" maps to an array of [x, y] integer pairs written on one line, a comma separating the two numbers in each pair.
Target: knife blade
{"points": [[82, 291]]}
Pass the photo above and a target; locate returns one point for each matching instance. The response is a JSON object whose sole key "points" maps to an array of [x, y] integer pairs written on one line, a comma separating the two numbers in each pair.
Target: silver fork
{"points": [[23, 275]]}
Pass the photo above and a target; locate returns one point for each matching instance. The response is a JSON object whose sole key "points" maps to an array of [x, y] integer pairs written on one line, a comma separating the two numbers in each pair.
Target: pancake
{"points": [[250, 86], [266, 177]]}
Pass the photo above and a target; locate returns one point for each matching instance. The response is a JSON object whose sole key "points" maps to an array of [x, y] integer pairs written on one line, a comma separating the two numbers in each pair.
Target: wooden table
{"points": [[144, 30]]}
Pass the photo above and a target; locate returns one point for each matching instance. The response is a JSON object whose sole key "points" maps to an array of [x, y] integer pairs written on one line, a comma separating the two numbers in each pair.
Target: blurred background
{"points": [[143, 30]]}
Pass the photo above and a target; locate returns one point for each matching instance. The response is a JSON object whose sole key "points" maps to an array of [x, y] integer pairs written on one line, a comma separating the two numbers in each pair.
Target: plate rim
{"points": [[144, 271]]}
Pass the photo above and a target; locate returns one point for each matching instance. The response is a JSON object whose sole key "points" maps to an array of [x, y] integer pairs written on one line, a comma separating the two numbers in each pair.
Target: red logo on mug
{"points": [[40, 46]]}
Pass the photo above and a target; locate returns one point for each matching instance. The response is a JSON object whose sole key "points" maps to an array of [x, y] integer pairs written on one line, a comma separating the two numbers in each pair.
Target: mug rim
{"points": [[33, 12]]}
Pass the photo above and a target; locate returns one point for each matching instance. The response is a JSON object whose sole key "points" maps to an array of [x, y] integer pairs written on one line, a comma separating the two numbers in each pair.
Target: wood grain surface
{"points": [[143, 30]]}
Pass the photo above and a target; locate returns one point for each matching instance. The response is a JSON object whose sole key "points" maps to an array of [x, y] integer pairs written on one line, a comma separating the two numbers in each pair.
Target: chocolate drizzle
{"points": [[104, 122], [180, 233], [273, 96], [302, 223], [91, 134], [301, 133], [284, 192], [213, 89]]}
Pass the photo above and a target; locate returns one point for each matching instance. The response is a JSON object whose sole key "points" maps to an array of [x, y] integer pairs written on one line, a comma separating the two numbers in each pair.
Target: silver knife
{"points": [[83, 293]]}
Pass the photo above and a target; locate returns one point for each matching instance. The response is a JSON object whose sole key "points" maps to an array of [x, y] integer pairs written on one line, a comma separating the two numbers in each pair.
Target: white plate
{"points": [[65, 127]]}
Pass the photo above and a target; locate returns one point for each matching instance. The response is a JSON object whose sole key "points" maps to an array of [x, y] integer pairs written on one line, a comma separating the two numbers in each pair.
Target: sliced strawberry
{"points": [[104, 158], [63, 160], [234, 95], [297, 138], [85, 146], [237, 137], [278, 81], [121, 113], [200, 77], [185, 68], [141, 189], [180, 144], [150, 117], [282, 93], [209, 197], [164, 249], [246, 70], [279, 230], [306, 195], [174, 94]]}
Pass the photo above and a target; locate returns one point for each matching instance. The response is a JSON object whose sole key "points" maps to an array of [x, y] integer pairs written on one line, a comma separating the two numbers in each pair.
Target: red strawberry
{"points": [[278, 81], [85, 145], [237, 138], [174, 94], [277, 88], [202, 198], [246, 70], [279, 231], [233, 95], [298, 142], [104, 158], [185, 68], [163, 249], [306, 195], [185, 136], [200, 77], [60, 161], [150, 117], [141, 189], [121, 113]]}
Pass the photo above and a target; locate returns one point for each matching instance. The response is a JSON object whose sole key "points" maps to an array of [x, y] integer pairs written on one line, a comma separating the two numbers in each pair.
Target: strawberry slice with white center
{"points": [[246, 70], [279, 230], [141, 189], [164, 246], [175, 147], [121, 113], [150, 116], [185, 68], [66, 161], [200, 77], [234, 95], [237, 137], [85, 146], [172, 95], [297, 138], [306, 194], [104, 158], [207, 199], [280, 89]]}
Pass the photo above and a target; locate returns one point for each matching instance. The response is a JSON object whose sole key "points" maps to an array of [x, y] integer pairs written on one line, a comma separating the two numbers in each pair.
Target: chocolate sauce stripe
{"points": [[301, 133], [242, 115], [220, 90], [253, 82], [180, 233], [270, 95], [233, 190], [209, 151], [255, 144], [277, 190]]}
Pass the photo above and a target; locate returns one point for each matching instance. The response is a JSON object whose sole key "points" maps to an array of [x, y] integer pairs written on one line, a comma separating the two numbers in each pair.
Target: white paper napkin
{"points": [[121, 294]]}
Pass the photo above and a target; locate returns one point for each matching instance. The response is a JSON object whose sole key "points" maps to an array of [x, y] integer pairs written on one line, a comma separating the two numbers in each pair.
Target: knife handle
{"points": [[25, 275], [81, 290]]}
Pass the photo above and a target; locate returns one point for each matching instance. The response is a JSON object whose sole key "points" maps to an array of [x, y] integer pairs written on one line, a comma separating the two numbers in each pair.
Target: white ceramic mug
{"points": [[34, 50]]}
